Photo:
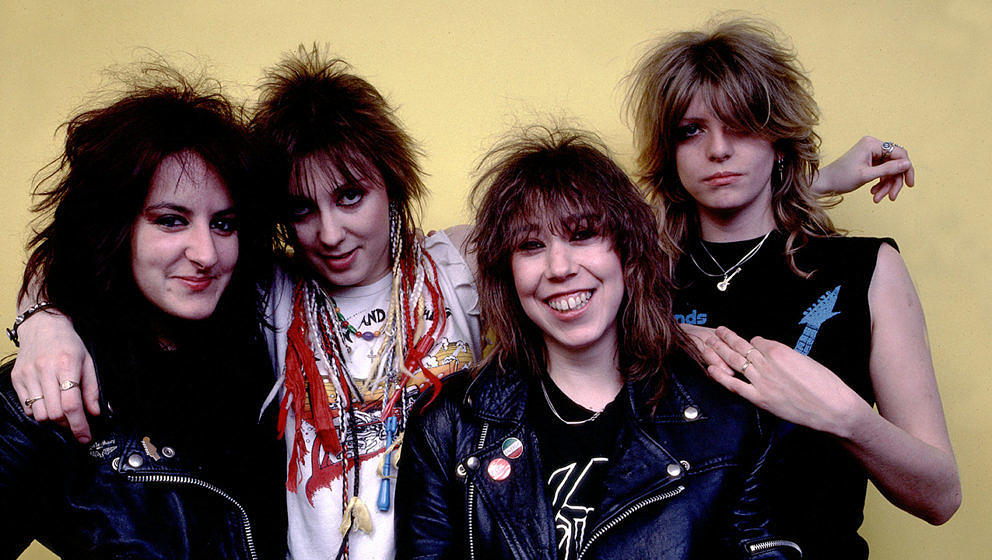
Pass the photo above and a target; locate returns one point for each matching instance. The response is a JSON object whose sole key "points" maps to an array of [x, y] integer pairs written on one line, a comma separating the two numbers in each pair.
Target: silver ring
{"points": [[887, 148], [30, 401], [748, 353], [68, 384], [746, 363]]}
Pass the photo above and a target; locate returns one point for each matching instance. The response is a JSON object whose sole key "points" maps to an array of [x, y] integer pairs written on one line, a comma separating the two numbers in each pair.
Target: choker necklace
{"points": [[547, 399], [727, 273]]}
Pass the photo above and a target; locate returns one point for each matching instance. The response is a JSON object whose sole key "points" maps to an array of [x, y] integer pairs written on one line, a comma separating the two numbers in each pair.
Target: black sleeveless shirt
{"points": [[817, 490]]}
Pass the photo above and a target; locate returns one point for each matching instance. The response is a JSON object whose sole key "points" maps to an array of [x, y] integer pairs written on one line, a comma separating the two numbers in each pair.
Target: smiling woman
{"points": [[184, 244], [589, 431], [151, 248]]}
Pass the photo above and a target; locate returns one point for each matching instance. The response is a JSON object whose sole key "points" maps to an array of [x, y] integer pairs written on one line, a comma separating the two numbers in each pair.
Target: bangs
{"points": [[309, 174], [561, 209], [738, 102]]}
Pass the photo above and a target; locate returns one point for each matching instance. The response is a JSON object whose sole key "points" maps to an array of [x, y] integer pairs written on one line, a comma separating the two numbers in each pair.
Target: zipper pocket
{"points": [[755, 548], [190, 481], [627, 513], [471, 494]]}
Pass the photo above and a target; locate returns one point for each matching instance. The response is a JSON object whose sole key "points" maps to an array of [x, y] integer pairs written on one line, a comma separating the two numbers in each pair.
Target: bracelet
{"points": [[12, 331]]}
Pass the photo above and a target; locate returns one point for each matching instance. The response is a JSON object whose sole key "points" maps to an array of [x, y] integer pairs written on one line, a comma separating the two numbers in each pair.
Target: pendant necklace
{"points": [[558, 416], [727, 273]]}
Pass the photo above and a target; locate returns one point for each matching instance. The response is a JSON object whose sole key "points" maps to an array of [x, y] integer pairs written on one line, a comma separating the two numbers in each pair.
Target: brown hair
{"points": [[312, 108], [753, 84], [564, 179]]}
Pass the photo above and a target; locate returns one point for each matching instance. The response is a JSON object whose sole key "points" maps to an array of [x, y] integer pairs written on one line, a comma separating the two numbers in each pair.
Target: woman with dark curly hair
{"points": [[725, 126], [152, 246]]}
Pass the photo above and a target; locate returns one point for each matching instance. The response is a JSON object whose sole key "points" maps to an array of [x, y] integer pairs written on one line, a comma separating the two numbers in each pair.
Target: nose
{"points": [[200, 249], [560, 263], [331, 233], [720, 145]]}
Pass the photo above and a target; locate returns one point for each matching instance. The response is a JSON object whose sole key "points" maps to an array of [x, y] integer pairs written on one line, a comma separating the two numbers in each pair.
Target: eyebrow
{"points": [[184, 210]]}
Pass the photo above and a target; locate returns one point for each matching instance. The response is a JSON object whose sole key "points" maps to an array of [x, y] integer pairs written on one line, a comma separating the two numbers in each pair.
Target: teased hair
{"points": [[312, 109], [81, 258], [752, 83], [565, 179]]}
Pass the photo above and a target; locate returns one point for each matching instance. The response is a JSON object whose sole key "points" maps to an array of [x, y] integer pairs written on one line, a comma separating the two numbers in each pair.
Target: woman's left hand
{"points": [[784, 382], [865, 162]]}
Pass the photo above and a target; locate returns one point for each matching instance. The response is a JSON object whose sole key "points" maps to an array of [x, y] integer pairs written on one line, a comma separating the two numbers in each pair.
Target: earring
{"points": [[779, 165], [394, 230]]}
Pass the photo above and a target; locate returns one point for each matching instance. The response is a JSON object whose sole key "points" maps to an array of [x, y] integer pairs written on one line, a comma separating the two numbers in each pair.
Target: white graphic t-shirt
{"points": [[314, 510]]}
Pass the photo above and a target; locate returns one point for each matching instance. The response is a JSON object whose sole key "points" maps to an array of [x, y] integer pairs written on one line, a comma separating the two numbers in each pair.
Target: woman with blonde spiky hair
{"points": [[725, 127]]}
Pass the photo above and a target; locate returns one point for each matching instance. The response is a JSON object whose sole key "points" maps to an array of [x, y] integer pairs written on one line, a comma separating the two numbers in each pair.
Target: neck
{"points": [[590, 377], [738, 225]]}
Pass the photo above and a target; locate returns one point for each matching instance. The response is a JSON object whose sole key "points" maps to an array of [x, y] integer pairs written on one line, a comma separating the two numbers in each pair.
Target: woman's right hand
{"points": [[52, 356]]}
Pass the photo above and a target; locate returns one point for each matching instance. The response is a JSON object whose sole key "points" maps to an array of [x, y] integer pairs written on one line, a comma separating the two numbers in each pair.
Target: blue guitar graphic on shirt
{"points": [[815, 316]]}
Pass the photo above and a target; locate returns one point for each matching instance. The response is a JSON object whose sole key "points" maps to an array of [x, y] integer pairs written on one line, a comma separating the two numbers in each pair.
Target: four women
{"points": [[589, 378]]}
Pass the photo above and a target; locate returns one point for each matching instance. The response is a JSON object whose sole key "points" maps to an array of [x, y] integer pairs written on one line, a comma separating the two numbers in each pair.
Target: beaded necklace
{"points": [[316, 334]]}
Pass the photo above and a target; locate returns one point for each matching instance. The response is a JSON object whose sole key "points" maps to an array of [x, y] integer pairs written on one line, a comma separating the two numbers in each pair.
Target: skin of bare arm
{"points": [[51, 353], [862, 164], [905, 447]]}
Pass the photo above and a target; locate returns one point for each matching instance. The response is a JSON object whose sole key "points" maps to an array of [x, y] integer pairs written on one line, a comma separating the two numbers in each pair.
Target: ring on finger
{"points": [[887, 148], [31, 400], [68, 384], [748, 353], [746, 363]]}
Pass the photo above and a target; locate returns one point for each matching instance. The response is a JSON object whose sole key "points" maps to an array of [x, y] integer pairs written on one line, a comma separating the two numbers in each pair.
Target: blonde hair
{"points": [[754, 84]]}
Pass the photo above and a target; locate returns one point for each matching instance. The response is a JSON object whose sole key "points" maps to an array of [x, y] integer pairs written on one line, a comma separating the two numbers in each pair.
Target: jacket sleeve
{"points": [[752, 527], [24, 486], [429, 496]]}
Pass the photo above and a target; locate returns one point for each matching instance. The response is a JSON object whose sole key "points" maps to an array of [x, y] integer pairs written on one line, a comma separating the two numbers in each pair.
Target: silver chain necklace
{"points": [[547, 399], [727, 273]]}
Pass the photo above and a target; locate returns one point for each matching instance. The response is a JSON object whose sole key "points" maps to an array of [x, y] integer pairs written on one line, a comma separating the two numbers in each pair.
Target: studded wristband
{"points": [[12, 331]]}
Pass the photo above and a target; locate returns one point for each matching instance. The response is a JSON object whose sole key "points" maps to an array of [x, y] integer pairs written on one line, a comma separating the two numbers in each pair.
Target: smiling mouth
{"points": [[339, 257], [197, 283], [570, 302]]}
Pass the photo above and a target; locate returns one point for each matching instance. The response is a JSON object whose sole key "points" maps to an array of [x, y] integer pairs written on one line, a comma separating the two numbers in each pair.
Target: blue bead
{"points": [[368, 335]]}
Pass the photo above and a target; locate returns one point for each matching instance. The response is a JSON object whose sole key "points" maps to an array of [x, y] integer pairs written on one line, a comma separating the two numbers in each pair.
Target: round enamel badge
{"points": [[512, 448], [498, 469]]}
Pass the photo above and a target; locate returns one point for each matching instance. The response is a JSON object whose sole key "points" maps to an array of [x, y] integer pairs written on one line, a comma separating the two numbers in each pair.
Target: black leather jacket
{"points": [[117, 497], [682, 483]]}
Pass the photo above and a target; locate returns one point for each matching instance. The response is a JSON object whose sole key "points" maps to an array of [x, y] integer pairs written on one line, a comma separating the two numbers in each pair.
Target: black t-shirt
{"points": [[575, 459], [817, 489]]}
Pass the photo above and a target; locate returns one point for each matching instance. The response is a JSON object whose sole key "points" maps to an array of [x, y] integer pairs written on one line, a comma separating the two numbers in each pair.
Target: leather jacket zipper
{"points": [[190, 481], [627, 513], [755, 548], [471, 495]]}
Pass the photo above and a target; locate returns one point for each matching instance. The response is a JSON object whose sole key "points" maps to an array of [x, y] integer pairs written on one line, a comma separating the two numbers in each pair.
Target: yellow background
{"points": [[914, 72]]}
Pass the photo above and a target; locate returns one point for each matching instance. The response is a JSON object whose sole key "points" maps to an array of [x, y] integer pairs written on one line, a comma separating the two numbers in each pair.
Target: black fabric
{"points": [[191, 399], [575, 461], [815, 486], [683, 483]]}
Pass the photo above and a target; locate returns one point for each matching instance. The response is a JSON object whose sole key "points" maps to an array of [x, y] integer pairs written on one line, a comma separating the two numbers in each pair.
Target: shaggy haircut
{"points": [[313, 111], [753, 84], [564, 180], [81, 258]]}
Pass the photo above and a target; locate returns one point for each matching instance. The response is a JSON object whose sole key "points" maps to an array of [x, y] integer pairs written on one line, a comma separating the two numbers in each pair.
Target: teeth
{"points": [[571, 302]]}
